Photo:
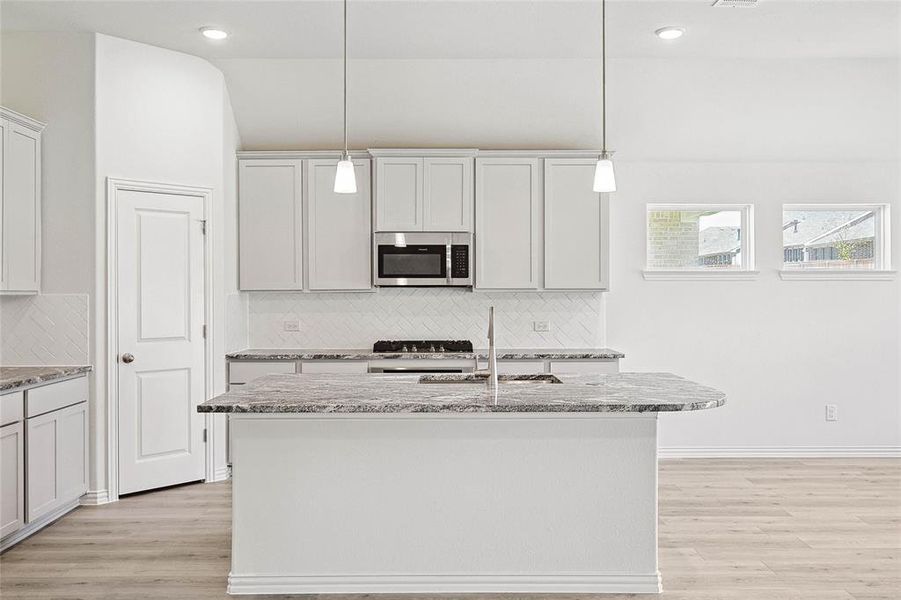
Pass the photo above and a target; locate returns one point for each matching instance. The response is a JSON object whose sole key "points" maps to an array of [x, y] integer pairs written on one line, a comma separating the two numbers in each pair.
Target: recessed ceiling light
{"points": [[669, 33], [213, 33]]}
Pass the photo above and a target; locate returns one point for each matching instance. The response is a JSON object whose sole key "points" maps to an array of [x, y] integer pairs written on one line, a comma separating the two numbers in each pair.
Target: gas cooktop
{"points": [[422, 346]]}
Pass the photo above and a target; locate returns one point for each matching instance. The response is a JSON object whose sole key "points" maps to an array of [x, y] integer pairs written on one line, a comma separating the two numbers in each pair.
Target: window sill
{"points": [[835, 275], [654, 275]]}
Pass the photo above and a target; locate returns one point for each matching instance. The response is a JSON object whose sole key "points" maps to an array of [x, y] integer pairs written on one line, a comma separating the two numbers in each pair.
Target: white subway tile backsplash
{"points": [[45, 329], [355, 320]]}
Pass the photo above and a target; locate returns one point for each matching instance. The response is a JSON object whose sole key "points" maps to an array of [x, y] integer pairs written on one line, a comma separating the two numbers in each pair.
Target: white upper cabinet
{"points": [[398, 197], [270, 224], [508, 223], [447, 194], [431, 193], [339, 229], [575, 226], [21, 203]]}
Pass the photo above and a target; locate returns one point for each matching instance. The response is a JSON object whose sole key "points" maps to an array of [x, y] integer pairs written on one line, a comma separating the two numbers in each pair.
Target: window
{"points": [[699, 239], [831, 237]]}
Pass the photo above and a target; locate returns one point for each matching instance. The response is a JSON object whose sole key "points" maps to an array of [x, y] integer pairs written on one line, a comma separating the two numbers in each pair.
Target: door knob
{"points": [[128, 357]]}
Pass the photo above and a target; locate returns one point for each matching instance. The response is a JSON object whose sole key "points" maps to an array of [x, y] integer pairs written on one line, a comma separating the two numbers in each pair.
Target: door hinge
{"points": [[203, 226], [204, 436], [204, 330]]}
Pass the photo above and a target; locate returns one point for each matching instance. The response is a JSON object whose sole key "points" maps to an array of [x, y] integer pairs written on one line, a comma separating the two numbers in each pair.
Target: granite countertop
{"points": [[621, 392], [364, 354], [16, 377]]}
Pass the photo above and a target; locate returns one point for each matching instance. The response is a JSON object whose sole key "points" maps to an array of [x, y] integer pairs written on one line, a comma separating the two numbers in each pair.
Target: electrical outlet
{"points": [[832, 412], [291, 325], [541, 326]]}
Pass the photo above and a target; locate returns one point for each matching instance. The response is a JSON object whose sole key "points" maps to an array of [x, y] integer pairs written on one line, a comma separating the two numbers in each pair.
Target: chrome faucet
{"points": [[492, 353]]}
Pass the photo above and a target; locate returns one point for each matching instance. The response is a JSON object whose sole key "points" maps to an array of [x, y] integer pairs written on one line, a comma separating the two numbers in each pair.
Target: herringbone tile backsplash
{"points": [[355, 320], [46, 329]]}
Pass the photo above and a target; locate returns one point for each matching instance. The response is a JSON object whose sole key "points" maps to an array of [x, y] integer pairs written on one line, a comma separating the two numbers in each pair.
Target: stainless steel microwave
{"points": [[422, 259]]}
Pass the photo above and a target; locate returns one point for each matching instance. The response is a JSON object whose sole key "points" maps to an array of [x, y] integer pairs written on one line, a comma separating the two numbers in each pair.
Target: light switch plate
{"points": [[541, 326], [832, 412]]}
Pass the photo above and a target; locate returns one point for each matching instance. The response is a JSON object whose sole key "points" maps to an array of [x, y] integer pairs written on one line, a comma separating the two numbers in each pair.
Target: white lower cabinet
{"points": [[352, 367], [12, 478], [516, 367], [241, 372], [55, 459], [585, 367]]}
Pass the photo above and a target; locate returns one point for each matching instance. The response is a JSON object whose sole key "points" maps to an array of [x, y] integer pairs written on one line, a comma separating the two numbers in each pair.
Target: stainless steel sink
{"points": [[483, 378]]}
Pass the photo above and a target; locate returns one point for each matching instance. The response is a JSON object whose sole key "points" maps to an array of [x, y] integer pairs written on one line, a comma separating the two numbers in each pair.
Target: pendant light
{"points": [[604, 177], [345, 179]]}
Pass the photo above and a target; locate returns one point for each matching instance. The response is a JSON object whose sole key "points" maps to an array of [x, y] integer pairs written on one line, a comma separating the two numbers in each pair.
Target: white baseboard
{"points": [[780, 452], [590, 583], [35, 526], [95, 497]]}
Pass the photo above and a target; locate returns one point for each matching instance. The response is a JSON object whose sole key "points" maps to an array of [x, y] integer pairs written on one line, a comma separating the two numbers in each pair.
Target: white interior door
{"points": [[160, 325]]}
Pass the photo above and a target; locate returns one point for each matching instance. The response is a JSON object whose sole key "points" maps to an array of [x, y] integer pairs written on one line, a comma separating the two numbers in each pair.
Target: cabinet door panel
{"points": [[42, 493], [72, 444], [398, 197], [447, 194], [241, 372], [12, 478], [338, 367], [270, 220], [21, 209], [507, 223], [339, 226], [575, 227], [585, 367]]}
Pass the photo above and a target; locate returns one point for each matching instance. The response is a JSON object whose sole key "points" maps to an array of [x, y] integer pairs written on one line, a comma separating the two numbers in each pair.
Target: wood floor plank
{"points": [[730, 529]]}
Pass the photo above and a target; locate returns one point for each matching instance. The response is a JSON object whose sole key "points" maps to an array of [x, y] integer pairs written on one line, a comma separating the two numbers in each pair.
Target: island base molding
{"points": [[599, 583]]}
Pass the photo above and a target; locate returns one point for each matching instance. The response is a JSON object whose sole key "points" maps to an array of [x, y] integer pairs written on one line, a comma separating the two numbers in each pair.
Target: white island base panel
{"points": [[444, 503]]}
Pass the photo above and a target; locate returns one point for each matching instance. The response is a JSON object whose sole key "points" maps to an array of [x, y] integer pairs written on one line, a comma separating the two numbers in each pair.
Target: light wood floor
{"points": [[826, 529]]}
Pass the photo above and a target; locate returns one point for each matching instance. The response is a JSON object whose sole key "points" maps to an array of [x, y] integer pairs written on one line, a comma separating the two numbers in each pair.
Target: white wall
{"points": [[113, 108], [50, 77], [765, 132], [688, 109], [780, 349]]}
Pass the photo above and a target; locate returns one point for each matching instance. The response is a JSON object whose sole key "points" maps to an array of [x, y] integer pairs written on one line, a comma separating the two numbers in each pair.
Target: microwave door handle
{"points": [[447, 261]]}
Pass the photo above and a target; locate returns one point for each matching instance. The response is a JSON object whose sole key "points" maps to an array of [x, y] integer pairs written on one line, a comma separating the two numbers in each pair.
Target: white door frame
{"points": [[113, 187]]}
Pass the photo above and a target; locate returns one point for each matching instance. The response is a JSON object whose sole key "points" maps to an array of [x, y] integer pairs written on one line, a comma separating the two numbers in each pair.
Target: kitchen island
{"points": [[383, 484]]}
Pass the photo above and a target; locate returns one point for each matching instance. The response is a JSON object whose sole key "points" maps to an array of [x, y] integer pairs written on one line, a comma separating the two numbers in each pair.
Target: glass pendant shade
{"points": [[345, 179], [604, 178]]}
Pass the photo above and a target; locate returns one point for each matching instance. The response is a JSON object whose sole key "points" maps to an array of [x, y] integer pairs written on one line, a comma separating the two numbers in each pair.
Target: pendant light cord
{"points": [[604, 74], [345, 80]]}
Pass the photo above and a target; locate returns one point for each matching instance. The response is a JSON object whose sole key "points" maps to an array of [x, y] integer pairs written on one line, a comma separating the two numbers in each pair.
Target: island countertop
{"points": [[621, 392]]}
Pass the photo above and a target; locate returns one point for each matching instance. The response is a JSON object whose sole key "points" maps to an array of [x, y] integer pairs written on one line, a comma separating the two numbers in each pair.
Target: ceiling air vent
{"points": [[735, 3]]}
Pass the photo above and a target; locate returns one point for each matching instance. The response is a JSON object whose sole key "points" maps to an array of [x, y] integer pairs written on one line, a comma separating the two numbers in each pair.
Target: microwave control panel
{"points": [[460, 261]]}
